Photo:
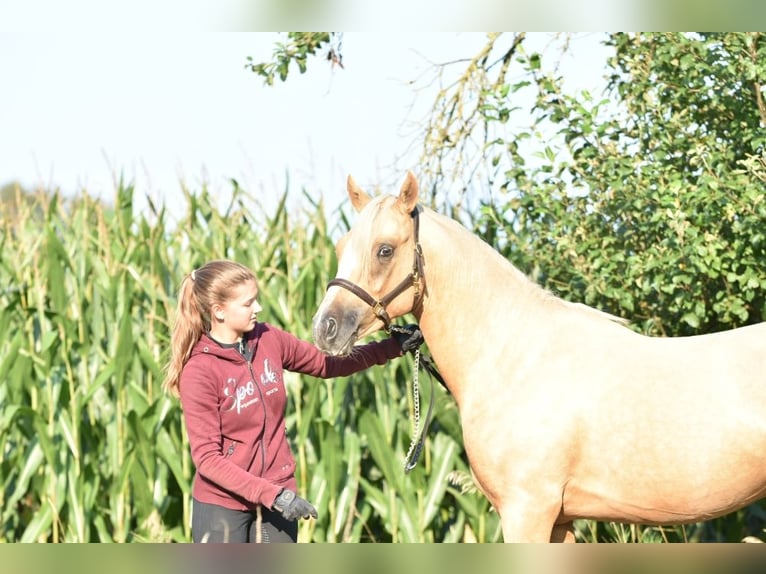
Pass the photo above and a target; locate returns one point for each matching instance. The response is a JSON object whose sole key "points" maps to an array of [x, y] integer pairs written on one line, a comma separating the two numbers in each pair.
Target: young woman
{"points": [[227, 369]]}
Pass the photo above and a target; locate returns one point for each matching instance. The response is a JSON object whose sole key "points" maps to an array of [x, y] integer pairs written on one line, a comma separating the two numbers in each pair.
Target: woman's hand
{"points": [[409, 337], [293, 506]]}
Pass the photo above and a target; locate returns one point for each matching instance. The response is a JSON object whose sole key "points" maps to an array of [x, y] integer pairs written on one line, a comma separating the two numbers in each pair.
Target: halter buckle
{"points": [[416, 282]]}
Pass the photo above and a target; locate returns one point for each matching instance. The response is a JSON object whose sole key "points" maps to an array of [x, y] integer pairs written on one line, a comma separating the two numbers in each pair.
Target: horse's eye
{"points": [[385, 252]]}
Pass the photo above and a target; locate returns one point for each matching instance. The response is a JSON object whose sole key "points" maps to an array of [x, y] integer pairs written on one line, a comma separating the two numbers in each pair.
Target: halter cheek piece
{"points": [[415, 279]]}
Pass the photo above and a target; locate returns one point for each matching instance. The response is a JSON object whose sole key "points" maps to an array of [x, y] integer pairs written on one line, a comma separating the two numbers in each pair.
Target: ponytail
{"points": [[188, 328], [211, 283]]}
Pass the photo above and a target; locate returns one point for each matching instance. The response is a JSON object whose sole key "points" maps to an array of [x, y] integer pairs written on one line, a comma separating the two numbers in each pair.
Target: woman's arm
{"points": [[304, 357]]}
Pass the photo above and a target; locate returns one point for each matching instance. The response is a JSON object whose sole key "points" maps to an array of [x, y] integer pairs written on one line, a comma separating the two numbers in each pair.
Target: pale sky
{"points": [[78, 108]]}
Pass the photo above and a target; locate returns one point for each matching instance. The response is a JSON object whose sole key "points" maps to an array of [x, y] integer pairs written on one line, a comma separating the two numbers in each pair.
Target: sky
{"points": [[80, 110]]}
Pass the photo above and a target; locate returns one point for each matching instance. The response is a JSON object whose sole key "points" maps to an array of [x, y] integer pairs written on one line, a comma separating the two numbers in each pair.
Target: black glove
{"points": [[409, 337], [293, 506]]}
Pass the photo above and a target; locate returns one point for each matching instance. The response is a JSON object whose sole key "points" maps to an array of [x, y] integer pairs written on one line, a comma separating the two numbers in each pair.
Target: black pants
{"points": [[213, 523]]}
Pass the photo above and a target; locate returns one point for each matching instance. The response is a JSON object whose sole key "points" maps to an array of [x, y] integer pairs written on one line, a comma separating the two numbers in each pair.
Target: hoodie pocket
{"points": [[236, 452], [230, 450]]}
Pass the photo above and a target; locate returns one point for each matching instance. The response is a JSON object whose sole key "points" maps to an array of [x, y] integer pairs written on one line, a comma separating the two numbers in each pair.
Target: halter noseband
{"points": [[415, 279]]}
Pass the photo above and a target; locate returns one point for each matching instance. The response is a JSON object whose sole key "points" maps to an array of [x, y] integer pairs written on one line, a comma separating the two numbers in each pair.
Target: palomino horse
{"points": [[566, 413]]}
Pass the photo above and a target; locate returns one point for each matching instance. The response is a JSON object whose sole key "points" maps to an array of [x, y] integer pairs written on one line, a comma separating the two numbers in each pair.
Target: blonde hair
{"points": [[204, 287]]}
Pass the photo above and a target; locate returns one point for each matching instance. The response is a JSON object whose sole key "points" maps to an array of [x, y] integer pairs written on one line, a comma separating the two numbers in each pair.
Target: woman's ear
{"points": [[217, 312]]}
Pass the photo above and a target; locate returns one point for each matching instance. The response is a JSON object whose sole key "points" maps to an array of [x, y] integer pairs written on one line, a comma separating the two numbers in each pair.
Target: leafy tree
{"points": [[652, 205], [297, 50]]}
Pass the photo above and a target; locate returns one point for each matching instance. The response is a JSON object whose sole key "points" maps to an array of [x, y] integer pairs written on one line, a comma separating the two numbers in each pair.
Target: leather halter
{"points": [[415, 279]]}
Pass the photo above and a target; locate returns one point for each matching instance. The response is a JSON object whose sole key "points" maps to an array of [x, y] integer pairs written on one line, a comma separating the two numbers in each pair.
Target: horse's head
{"points": [[377, 279]]}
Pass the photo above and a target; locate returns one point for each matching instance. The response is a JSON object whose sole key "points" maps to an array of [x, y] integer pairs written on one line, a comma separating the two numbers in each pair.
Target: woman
{"points": [[227, 369]]}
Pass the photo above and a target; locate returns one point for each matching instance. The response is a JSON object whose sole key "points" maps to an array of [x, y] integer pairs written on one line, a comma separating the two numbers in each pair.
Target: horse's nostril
{"points": [[332, 329]]}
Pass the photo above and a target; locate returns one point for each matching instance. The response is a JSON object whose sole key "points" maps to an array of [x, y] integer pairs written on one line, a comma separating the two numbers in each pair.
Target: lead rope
{"points": [[418, 434], [416, 446]]}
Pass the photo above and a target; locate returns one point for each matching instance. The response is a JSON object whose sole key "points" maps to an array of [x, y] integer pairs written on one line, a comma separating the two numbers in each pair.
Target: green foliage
{"points": [[652, 207], [93, 451], [297, 50]]}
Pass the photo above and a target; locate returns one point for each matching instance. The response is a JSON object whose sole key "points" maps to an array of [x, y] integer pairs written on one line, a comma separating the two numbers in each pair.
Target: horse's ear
{"points": [[408, 195], [356, 194]]}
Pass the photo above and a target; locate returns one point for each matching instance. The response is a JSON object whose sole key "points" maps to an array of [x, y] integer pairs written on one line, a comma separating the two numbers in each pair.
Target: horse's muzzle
{"points": [[335, 334]]}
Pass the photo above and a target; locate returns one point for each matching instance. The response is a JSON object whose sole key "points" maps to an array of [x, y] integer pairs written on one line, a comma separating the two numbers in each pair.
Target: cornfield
{"points": [[92, 450]]}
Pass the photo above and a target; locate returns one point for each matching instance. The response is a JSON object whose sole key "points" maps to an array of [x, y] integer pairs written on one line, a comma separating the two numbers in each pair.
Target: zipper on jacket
{"points": [[230, 450], [249, 362], [263, 405]]}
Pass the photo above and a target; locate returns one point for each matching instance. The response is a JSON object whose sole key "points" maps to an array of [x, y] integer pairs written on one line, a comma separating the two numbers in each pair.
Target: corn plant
{"points": [[92, 450]]}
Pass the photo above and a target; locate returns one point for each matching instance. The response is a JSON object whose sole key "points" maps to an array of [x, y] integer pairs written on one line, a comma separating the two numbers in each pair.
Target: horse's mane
{"points": [[534, 289], [597, 313]]}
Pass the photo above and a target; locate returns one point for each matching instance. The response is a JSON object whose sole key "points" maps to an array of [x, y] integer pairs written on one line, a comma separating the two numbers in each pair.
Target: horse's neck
{"points": [[464, 275], [473, 293]]}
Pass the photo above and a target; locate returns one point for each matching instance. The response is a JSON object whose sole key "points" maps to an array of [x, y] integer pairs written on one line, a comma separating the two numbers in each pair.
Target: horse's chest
{"points": [[514, 430]]}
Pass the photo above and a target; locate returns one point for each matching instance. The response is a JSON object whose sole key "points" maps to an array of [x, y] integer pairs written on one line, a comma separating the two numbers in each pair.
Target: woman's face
{"points": [[238, 314]]}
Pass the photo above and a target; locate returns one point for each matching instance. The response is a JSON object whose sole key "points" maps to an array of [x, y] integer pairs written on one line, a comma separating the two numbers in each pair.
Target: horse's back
{"points": [[737, 356]]}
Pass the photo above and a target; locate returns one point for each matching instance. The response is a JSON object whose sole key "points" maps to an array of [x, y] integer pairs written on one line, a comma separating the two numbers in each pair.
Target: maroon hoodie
{"points": [[234, 411]]}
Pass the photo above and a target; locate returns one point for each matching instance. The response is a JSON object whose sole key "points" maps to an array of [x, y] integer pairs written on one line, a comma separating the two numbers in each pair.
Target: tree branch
{"points": [[756, 85]]}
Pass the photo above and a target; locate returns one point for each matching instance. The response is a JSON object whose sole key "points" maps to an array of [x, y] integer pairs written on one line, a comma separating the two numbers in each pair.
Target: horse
{"points": [[566, 412]]}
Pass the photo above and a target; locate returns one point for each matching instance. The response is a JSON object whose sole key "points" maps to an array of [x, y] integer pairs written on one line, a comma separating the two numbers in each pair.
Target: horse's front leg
{"points": [[529, 519], [563, 532]]}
